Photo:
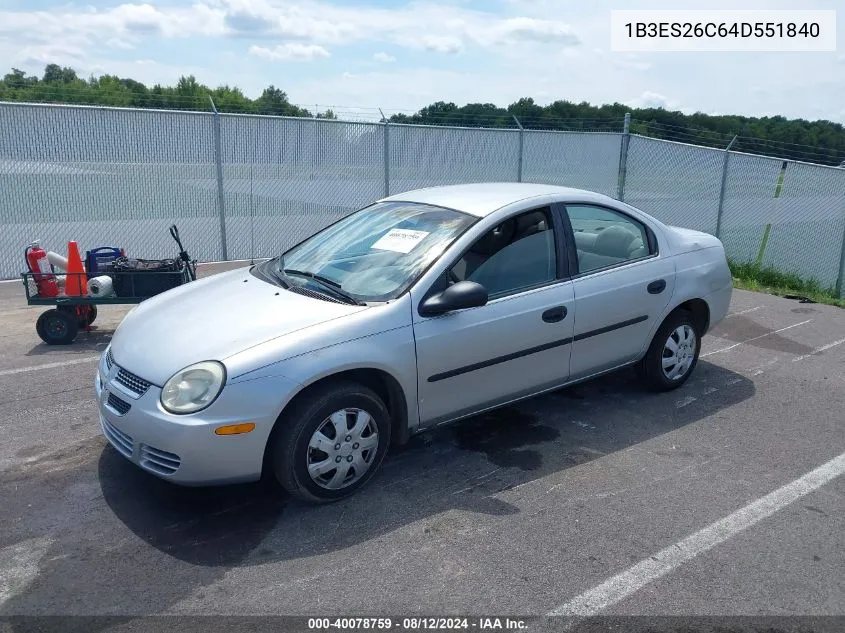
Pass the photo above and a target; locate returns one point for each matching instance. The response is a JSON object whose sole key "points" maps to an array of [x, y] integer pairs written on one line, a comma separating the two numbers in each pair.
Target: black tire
{"points": [[89, 314], [289, 448], [56, 327], [650, 368]]}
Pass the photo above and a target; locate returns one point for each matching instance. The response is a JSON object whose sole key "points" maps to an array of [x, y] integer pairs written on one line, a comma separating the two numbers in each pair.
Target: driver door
{"points": [[515, 345]]}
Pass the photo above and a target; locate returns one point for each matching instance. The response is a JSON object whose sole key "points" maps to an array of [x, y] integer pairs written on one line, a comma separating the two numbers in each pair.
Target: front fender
{"points": [[392, 352]]}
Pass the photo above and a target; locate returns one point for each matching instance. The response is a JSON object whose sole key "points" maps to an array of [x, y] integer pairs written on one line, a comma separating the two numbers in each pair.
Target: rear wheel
{"points": [[56, 327], [91, 314], [673, 353], [331, 442]]}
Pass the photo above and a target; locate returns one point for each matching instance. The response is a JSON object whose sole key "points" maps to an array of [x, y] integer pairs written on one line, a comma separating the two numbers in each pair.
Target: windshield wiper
{"points": [[331, 284]]}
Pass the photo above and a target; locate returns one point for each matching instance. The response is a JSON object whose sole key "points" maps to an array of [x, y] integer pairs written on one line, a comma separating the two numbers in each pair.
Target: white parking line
{"points": [[730, 314], [725, 349], [680, 404], [64, 363], [819, 350], [622, 585]]}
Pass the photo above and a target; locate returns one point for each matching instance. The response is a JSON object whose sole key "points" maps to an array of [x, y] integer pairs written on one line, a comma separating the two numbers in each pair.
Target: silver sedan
{"points": [[422, 308]]}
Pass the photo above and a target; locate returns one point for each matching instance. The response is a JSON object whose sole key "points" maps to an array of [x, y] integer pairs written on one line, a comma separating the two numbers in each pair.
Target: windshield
{"points": [[378, 252]]}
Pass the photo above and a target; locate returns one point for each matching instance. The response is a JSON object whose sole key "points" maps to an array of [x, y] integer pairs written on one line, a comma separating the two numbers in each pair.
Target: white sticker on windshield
{"points": [[400, 240]]}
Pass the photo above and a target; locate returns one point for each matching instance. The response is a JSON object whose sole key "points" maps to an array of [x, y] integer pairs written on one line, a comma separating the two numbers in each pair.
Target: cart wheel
{"points": [[90, 315], [56, 327], [85, 315]]}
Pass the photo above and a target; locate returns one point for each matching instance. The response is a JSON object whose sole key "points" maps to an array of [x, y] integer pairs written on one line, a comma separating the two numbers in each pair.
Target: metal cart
{"points": [[61, 324]]}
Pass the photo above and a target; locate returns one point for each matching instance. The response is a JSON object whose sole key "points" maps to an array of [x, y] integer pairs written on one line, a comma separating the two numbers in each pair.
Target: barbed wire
{"points": [[748, 144]]}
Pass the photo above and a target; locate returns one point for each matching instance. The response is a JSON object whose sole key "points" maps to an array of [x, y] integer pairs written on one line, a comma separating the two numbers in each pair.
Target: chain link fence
{"points": [[249, 186]]}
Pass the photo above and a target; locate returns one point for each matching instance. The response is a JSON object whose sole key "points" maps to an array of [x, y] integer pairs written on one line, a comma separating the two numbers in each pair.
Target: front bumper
{"points": [[184, 448]]}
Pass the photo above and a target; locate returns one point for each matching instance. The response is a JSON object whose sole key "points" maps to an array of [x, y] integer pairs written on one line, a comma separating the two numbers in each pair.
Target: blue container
{"points": [[98, 261]]}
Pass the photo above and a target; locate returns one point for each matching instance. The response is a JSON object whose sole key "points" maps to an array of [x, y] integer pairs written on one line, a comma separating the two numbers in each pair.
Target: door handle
{"points": [[553, 315], [656, 287]]}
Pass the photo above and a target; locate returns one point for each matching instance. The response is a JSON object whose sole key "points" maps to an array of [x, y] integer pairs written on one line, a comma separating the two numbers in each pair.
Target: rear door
{"points": [[622, 286]]}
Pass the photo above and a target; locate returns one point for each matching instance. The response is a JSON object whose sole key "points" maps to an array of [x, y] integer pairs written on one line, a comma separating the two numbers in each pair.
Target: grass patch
{"points": [[751, 276]]}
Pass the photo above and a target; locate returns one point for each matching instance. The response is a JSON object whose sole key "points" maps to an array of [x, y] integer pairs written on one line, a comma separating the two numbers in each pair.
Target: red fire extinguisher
{"points": [[45, 280]]}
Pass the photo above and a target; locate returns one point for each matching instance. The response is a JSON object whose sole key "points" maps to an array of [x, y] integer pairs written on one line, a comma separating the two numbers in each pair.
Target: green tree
{"points": [[275, 101], [812, 141]]}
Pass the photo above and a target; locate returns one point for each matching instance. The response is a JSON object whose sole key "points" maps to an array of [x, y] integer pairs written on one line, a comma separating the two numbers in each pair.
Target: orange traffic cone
{"points": [[75, 284]]}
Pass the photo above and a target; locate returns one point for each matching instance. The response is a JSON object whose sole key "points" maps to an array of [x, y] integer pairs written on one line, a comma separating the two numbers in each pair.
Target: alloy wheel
{"points": [[679, 352], [342, 448]]}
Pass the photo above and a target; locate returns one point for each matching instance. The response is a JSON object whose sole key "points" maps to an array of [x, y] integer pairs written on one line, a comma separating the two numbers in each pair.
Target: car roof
{"points": [[481, 199]]}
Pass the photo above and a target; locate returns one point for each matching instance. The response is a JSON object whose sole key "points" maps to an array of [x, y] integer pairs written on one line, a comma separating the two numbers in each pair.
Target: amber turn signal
{"points": [[235, 429]]}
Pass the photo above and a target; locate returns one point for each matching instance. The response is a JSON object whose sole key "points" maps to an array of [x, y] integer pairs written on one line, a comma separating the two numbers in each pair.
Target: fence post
{"points": [[386, 153], [840, 278], [623, 158], [218, 160], [521, 146], [723, 187]]}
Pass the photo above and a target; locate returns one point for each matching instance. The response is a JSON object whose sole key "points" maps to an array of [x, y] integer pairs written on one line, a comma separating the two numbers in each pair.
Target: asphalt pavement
{"points": [[723, 498]]}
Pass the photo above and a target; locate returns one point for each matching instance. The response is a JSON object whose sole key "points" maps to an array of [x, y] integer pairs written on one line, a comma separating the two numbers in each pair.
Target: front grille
{"points": [[120, 440], [118, 405], [159, 461], [109, 359], [133, 383]]}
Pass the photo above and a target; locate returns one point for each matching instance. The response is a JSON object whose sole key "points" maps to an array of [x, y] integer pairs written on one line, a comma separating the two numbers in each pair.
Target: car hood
{"points": [[213, 319], [685, 240]]}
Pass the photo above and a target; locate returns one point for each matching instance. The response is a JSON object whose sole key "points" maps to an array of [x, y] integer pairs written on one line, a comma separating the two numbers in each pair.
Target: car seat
{"points": [[525, 262], [487, 246], [609, 246]]}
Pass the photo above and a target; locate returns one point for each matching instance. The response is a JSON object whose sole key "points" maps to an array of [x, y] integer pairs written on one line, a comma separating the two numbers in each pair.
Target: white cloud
{"points": [[290, 51], [433, 25], [649, 99], [522, 29], [441, 43], [516, 49], [126, 23], [629, 63], [41, 54], [258, 18], [116, 42]]}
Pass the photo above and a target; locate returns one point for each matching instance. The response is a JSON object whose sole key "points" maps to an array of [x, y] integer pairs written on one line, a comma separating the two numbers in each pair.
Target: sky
{"points": [[357, 56]]}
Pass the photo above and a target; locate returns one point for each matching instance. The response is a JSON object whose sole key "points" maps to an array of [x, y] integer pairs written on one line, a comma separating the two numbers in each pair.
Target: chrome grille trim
{"points": [[119, 406], [159, 461], [120, 440], [133, 383]]}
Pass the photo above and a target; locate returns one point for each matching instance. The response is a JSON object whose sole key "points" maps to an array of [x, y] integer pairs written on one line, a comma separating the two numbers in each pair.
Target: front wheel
{"points": [[331, 442], [673, 353], [56, 327]]}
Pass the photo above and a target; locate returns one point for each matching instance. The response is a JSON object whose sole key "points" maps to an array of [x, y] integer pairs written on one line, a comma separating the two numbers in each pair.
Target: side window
{"points": [[517, 254], [605, 238]]}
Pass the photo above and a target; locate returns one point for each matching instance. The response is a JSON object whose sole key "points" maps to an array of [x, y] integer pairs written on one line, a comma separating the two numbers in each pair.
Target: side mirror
{"points": [[459, 296]]}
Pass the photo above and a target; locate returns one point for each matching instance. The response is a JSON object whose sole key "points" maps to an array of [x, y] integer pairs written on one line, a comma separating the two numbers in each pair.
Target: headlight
{"points": [[193, 388]]}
